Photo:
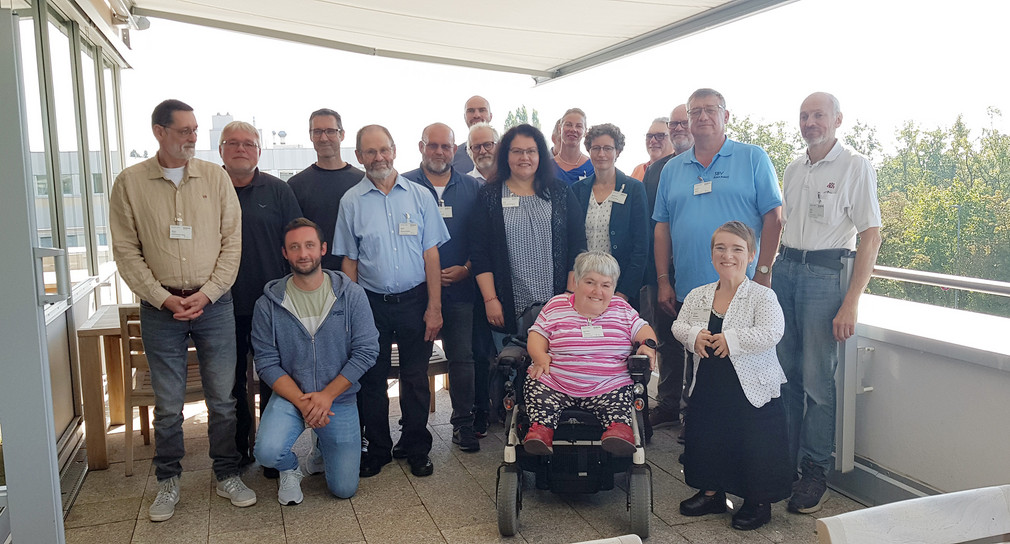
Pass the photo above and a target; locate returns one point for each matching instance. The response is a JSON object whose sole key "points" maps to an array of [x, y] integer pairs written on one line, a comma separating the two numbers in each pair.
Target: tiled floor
{"points": [[455, 505]]}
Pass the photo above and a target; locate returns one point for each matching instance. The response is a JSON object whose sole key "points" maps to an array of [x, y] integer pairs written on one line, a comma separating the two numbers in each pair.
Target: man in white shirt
{"points": [[481, 145], [830, 200]]}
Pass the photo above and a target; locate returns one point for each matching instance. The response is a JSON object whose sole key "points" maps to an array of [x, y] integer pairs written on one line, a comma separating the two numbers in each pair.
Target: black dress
{"points": [[730, 445]]}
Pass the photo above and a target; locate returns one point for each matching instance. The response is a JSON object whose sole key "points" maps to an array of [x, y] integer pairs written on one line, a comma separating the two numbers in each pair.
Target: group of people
{"points": [[319, 277]]}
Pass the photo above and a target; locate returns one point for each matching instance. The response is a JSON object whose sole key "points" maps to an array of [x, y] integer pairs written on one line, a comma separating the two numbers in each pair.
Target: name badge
{"points": [[180, 232], [816, 211], [509, 202], [592, 331], [617, 197], [408, 229], [445, 211], [702, 187]]}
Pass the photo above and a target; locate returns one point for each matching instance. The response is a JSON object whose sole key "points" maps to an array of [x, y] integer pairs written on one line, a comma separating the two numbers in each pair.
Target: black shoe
{"points": [[810, 492], [399, 452], [752, 515], [466, 439], [702, 504], [421, 466], [680, 436], [271, 473], [480, 424], [370, 466]]}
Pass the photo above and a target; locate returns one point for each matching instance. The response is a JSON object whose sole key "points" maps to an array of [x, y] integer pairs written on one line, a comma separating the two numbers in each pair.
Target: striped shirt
{"points": [[587, 366]]}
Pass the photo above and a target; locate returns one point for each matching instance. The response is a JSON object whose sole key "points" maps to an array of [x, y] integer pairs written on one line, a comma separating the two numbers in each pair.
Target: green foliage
{"points": [[780, 142], [520, 116]]}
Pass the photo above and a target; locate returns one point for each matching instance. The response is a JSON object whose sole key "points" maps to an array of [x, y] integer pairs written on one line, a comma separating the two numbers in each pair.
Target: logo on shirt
{"points": [[337, 312], [720, 175]]}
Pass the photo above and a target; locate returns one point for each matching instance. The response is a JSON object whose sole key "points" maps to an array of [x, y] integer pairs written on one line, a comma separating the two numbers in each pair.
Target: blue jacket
{"points": [[629, 230], [346, 342]]}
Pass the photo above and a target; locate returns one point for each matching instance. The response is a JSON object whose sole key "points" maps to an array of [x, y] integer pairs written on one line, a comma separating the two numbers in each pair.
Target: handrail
{"points": [[991, 287]]}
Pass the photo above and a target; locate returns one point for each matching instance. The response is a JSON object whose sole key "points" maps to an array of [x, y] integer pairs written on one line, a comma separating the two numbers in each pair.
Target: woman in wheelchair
{"points": [[736, 441], [579, 345]]}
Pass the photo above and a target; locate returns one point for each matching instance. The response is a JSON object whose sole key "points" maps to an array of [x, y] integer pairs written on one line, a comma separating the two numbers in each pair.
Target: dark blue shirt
{"points": [[461, 195]]}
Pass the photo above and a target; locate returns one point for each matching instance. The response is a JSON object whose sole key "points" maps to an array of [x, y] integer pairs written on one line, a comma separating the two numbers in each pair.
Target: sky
{"points": [[888, 62]]}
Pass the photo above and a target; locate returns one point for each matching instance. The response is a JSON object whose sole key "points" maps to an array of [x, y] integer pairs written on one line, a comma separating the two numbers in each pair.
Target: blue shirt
{"points": [[744, 188], [580, 172], [368, 230], [460, 195]]}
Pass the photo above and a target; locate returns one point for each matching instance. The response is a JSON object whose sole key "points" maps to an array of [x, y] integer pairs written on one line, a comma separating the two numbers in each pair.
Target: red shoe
{"points": [[619, 440], [539, 440]]}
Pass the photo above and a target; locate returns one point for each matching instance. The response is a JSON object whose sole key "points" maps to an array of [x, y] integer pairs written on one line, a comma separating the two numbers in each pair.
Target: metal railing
{"points": [[990, 287]]}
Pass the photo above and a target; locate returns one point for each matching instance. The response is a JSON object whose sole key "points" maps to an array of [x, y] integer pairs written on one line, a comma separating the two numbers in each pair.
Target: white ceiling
{"points": [[545, 39]]}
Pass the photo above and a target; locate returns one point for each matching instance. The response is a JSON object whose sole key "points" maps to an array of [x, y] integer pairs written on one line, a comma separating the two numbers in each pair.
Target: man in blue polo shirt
{"points": [[388, 231], [456, 195], [716, 181]]}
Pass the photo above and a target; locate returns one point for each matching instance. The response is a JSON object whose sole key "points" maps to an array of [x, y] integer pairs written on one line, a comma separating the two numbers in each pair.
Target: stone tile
{"points": [[716, 530], [478, 534], [120, 532], [103, 485], [547, 517], [387, 491], [322, 519], [787, 527], [115, 444], [667, 493], [226, 518], [263, 535], [185, 527], [101, 513], [411, 525]]}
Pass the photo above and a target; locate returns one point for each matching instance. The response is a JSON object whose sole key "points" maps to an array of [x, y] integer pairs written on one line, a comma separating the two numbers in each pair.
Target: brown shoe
{"points": [[539, 440]]}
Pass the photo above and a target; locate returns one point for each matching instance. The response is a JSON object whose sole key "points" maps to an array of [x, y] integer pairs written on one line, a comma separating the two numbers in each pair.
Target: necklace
{"points": [[572, 164]]}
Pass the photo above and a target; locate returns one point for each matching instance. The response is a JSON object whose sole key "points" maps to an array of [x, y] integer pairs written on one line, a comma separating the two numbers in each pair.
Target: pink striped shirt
{"points": [[586, 367]]}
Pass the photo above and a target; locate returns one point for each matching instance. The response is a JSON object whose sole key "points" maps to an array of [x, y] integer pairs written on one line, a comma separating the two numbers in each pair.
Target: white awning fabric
{"points": [[543, 38]]}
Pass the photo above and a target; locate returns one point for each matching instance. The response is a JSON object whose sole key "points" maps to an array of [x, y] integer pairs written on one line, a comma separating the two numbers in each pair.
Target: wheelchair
{"points": [[579, 464]]}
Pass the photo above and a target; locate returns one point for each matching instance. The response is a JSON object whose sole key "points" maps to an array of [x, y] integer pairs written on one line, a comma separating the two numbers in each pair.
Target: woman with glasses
{"points": [[657, 143], [527, 233], [614, 209], [570, 164]]}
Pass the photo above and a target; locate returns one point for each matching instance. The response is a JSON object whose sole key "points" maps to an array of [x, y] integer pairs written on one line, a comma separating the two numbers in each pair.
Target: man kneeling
{"points": [[314, 336]]}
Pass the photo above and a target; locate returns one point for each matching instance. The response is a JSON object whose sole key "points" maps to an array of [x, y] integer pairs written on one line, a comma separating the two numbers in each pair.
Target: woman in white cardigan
{"points": [[736, 442]]}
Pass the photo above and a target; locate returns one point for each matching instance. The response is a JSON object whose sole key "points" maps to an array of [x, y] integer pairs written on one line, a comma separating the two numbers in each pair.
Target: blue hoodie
{"points": [[346, 342]]}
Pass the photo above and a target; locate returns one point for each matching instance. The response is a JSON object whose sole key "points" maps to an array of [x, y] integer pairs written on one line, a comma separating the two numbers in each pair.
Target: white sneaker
{"points": [[315, 464], [290, 491], [164, 504], [234, 488]]}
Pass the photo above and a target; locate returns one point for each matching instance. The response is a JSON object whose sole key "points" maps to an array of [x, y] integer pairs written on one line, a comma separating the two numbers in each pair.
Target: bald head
{"points": [[437, 147], [680, 134], [476, 110]]}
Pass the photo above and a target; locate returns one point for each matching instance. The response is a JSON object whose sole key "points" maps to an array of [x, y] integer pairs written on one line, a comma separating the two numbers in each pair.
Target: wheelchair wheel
{"points": [[508, 501], [639, 501]]}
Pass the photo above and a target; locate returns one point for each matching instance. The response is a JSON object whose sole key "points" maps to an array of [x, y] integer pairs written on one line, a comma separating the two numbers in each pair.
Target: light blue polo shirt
{"points": [[369, 231], [744, 188]]}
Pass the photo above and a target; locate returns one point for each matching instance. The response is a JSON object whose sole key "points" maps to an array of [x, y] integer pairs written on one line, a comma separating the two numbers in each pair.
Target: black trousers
{"points": [[399, 321], [483, 357], [244, 419]]}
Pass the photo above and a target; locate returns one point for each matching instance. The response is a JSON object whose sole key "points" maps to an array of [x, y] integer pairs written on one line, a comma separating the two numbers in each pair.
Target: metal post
{"points": [[846, 378], [957, 255], [33, 482]]}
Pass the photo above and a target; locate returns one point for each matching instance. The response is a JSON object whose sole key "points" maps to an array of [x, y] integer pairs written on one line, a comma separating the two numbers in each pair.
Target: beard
{"points": [[484, 161], [379, 172], [305, 269], [436, 166], [681, 143]]}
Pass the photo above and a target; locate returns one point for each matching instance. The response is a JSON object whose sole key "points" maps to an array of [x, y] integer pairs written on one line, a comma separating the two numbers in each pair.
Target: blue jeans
{"points": [[339, 442], [166, 341], [457, 339], [810, 296]]}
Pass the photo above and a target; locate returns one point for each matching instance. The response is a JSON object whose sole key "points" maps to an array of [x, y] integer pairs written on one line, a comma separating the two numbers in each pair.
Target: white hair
{"points": [[599, 262]]}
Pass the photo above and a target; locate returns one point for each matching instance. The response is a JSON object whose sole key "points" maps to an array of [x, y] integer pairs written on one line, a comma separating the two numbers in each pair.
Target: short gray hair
{"points": [[599, 262], [240, 126], [494, 135], [664, 120]]}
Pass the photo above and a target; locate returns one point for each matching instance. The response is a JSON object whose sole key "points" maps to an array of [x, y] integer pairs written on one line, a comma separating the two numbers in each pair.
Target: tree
{"points": [[781, 143], [520, 116]]}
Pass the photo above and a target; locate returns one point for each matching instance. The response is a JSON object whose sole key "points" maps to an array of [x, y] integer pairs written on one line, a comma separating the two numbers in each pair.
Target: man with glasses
{"points": [[456, 195], [320, 187], [268, 204], [176, 230], [476, 110], [388, 231], [830, 201], [669, 403], [481, 144], [658, 145]]}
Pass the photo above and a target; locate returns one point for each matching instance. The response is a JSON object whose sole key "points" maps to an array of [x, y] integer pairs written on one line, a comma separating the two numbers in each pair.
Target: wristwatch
{"points": [[650, 343], [764, 269]]}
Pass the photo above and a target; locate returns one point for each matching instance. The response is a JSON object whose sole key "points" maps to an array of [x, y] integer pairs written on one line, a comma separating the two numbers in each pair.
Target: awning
{"points": [[545, 39]]}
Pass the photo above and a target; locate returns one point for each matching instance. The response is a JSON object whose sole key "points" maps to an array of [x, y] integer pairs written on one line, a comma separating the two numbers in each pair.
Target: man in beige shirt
{"points": [[177, 237]]}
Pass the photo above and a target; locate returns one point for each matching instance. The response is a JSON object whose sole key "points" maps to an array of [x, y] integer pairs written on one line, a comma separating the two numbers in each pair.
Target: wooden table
{"points": [[100, 333]]}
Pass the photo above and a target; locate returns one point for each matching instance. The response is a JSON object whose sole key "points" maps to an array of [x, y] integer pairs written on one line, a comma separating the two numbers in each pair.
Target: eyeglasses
{"points": [[608, 149], [447, 148], [659, 136], [486, 146], [184, 132], [710, 111], [329, 132], [674, 124], [235, 144], [385, 151], [531, 152]]}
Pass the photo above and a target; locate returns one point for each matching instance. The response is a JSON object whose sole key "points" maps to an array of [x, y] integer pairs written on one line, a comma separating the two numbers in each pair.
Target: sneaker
{"points": [[234, 489], [164, 504], [466, 439], [539, 440], [480, 423], [290, 491], [315, 464], [810, 492], [661, 418]]}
